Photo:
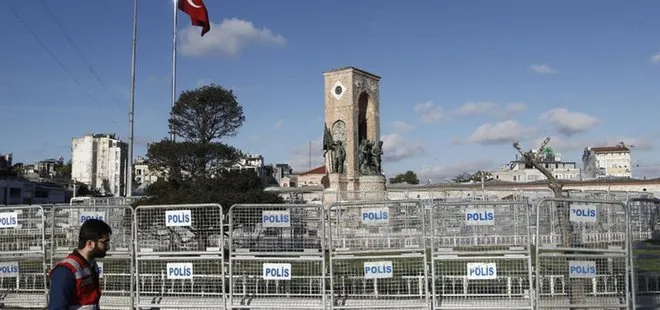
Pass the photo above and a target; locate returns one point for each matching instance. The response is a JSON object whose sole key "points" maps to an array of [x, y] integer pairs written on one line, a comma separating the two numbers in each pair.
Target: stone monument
{"points": [[351, 140]]}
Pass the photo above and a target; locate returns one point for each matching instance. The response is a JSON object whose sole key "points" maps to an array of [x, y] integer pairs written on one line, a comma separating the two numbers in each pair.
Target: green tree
{"points": [[64, 171], [463, 177], [473, 177], [82, 190], [409, 177], [198, 168], [205, 114]]}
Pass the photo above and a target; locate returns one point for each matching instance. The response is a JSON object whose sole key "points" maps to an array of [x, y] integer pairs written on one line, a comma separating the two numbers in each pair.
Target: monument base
{"points": [[372, 187], [337, 186]]}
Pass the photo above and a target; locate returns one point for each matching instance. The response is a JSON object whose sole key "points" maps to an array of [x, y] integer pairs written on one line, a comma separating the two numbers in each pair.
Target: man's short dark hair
{"points": [[92, 229]]}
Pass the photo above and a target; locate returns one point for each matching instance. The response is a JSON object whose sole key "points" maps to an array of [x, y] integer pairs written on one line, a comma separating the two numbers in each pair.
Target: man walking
{"points": [[75, 280]]}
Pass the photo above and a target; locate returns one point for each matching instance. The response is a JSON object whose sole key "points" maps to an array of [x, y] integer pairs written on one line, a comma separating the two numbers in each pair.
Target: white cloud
{"points": [[492, 108], [441, 173], [476, 107], [564, 144], [634, 143], [401, 126], [278, 124], [655, 58], [542, 69], [513, 107], [643, 170], [228, 38], [557, 144], [396, 148], [499, 133], [430, 112], [569, 123], [300, 156]]}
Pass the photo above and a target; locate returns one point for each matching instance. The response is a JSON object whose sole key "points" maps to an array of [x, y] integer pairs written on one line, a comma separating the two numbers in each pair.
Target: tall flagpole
{"points": [[129, 166], [172, 133]]}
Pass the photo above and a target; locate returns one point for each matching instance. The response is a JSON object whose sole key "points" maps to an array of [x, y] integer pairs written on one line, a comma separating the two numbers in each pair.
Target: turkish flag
{"points": [[199, 16]]}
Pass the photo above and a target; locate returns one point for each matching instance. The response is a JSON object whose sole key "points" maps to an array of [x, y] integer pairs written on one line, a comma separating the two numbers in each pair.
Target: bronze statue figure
{"points": [[339, 157], [376, 152], [369, 157]]}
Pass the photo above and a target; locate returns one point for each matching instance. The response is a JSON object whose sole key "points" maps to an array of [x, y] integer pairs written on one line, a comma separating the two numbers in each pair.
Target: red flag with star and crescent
{"points": [[199, 16]]}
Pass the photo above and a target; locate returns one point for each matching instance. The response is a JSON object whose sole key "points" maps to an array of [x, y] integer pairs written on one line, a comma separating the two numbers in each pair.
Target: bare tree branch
{"points": [[576, 292], [533, 159]]}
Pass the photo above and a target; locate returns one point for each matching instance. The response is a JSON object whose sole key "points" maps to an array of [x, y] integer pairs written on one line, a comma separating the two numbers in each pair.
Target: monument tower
{"points": [[351, 140]]}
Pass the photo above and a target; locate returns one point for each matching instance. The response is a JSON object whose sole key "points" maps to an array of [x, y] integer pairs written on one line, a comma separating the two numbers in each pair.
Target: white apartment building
{"points": [[100, 162], [141, 173], [519, 171], [607, 161]]}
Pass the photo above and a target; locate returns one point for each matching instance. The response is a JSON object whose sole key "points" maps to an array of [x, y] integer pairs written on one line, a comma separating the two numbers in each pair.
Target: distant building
{"points": [[519, 171], [282, 174], [314, 177], [21, 191], [607, 161], [5, 161], [46, 168], [141, 173], [255, 162], [100, 162]]}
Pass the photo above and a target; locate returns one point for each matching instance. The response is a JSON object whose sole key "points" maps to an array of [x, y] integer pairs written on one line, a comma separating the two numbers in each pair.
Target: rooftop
{"points": [[610, 149], [354, 69], [317, 170]]}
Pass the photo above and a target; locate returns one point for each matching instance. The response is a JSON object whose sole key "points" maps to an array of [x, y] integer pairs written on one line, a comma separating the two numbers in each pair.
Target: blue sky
{"points": [[460, 79]]}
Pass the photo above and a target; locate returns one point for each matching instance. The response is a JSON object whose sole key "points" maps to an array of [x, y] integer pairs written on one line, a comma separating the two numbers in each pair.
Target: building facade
{"points": [[100, 162], [142, 175], [607, 161], [519, 171], [5, 161], [21, 191]]}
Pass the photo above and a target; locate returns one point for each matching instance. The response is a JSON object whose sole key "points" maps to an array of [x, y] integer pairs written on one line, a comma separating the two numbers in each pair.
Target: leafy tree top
{"points": [[208, 113]]}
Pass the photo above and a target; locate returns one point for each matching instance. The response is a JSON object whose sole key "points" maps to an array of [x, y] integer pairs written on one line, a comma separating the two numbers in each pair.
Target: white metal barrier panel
{"points": [[378, 255], [481, 255], [276, 257], [583, 261], [330, 197], [116, 278], [644, 252], [179, 256], [23, 282]]}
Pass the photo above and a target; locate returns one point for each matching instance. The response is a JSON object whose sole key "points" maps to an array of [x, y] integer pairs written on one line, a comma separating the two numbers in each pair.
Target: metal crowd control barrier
{"points": [[116, 268], [23, 277], [378, 255], [330, 197], [179, 256], [276, 257], [582, 261], [481, 256], [644, 252]]}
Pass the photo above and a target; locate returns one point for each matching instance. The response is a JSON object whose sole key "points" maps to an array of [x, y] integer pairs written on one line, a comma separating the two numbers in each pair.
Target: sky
{"points": [[461, 80]]}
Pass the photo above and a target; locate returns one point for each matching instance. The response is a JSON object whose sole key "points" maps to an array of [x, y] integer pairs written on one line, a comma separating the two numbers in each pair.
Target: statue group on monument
{"points": [[369, 155]]}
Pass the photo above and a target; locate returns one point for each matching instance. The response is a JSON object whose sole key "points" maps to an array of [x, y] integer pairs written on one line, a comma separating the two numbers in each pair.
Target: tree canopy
{"points": [[205, 114], [473, 177], [199, 169], [409, 177]]}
